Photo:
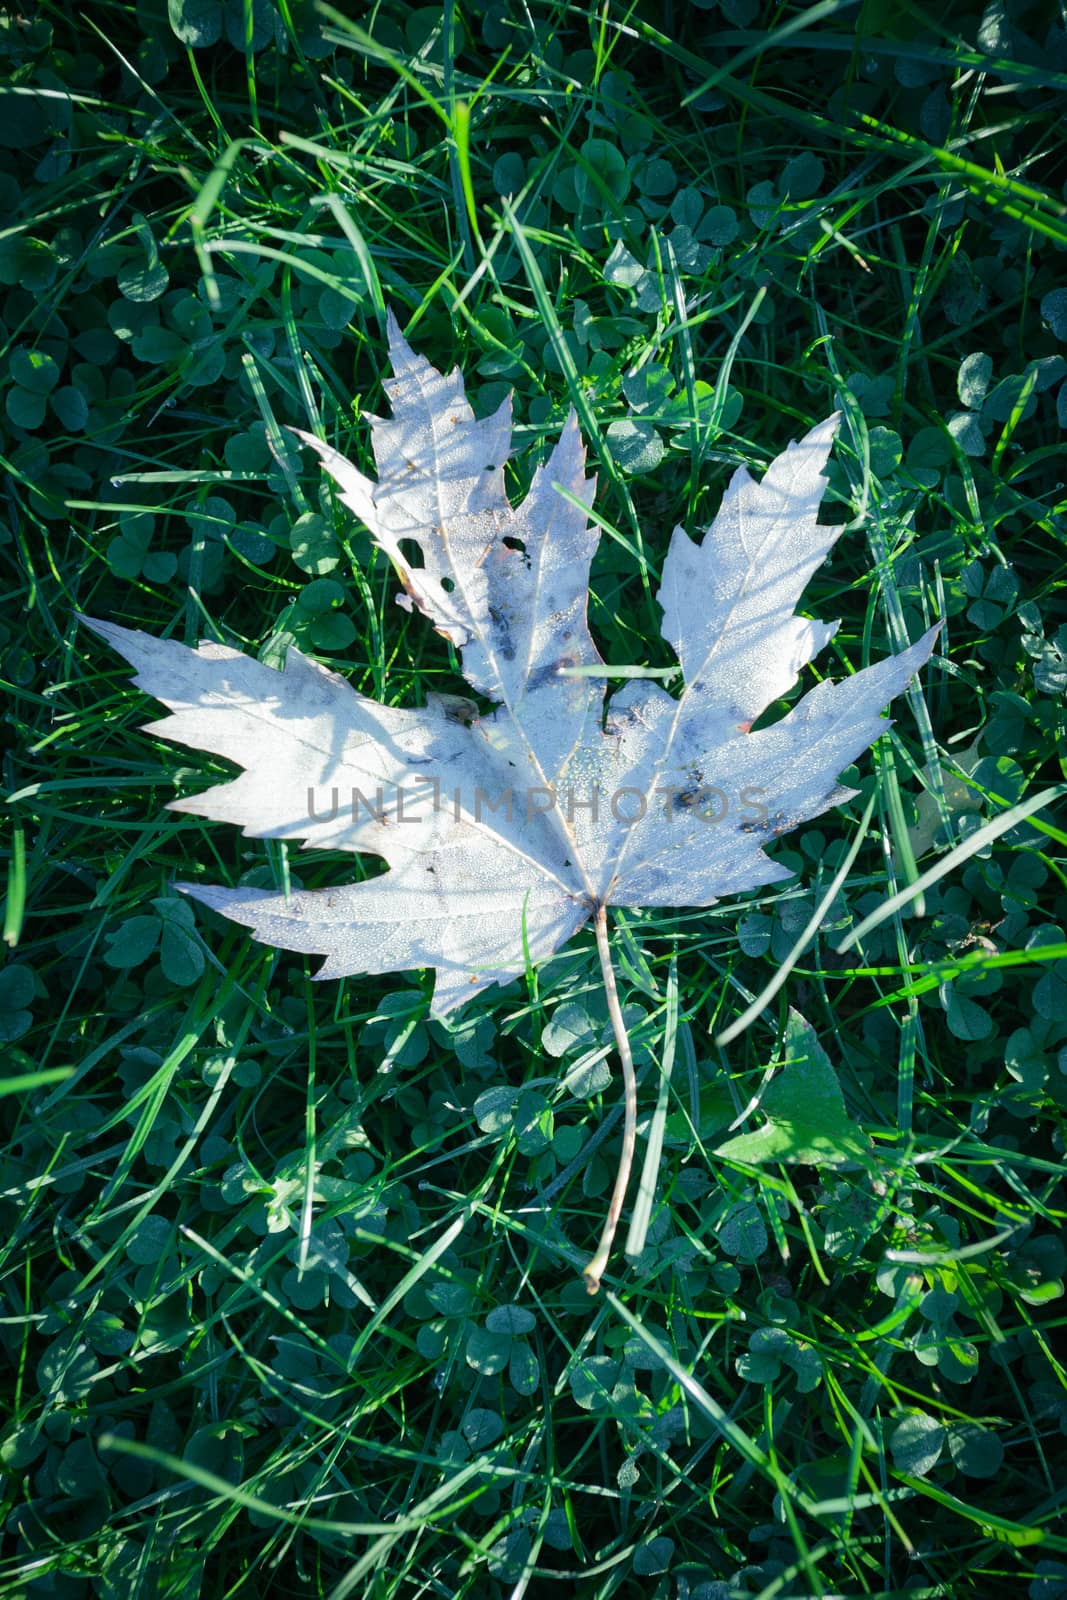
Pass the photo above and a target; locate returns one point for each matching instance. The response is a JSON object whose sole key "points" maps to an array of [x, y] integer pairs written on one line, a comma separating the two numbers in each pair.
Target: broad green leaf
{"points": [[25, 408], [314, 546], [524, 1369], [197, 23], [133, 942], [805, 1110], [71, 407], [976, 1450], [972, 380], [653, 1556], [143, 279], [1054, 312], [488, 1352], [742, 1233], [34, 370], [719, 226], [510, 1319], [915, 1443], [635, 445], [592, 1381]]}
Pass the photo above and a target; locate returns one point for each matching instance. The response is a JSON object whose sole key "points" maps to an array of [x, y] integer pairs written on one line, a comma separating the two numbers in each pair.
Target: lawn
{"points": [[292, 1295]]}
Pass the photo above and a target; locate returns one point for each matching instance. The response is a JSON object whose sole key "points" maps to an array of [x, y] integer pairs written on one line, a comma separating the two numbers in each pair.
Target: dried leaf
{"points": [[505, 831]]}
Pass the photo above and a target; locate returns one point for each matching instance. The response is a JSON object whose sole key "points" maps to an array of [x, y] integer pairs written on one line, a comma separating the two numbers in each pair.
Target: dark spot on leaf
{"points": [[538, 679], [503, 627], [459, 710]]}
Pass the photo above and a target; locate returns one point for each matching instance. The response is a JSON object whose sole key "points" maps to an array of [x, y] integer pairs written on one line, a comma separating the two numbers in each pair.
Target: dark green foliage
{"points": [[290, 1300]]}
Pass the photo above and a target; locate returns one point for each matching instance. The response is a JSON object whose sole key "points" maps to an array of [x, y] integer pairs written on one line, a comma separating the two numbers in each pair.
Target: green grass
{"points": [[290, 1298]]}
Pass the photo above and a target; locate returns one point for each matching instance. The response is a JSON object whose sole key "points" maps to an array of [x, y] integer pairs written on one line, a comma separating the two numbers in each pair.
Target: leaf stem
{"points": [[597, 1264]]}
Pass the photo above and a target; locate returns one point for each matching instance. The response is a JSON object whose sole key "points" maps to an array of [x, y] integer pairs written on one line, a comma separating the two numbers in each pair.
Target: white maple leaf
{"points": [[505, 830]]}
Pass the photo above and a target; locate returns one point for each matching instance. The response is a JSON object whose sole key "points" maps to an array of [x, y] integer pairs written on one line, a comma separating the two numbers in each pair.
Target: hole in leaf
{"points": [[447, 585], [411, 550], [515, 544]]}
